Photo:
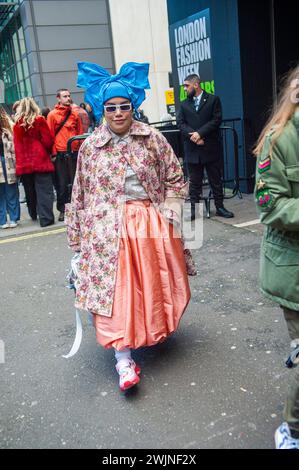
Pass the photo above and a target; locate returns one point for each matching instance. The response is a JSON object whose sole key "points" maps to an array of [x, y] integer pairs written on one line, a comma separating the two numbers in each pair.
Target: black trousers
{"points": [[38, 189], [196, 173], [65, 169]]}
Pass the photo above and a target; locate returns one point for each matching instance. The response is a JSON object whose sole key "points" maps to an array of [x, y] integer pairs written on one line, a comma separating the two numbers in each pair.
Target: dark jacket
{"points": [[33, 147], [206, 122]]}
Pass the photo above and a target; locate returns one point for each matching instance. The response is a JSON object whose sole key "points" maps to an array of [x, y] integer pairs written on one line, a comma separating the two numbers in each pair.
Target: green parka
{"points": [[277, 198]]}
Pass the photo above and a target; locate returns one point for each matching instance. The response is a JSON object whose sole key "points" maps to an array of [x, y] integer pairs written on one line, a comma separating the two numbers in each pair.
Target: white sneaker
{"points": [[283, 438], [128, 374], [4, 226], [13, 224]]}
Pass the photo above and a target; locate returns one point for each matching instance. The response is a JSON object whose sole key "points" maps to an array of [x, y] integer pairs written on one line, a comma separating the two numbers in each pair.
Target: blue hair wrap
{"points": [[100, 86]]}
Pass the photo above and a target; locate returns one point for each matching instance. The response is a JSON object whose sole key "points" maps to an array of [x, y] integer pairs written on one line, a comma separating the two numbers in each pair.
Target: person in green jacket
{"points": [[277, 199]]}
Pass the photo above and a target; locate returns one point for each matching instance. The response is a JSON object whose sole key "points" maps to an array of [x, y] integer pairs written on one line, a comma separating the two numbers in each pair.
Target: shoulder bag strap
{"points": [[63, 122]]}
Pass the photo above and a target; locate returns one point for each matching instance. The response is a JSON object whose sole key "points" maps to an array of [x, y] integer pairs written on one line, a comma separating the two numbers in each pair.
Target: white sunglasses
{"points": [[112, 108]]}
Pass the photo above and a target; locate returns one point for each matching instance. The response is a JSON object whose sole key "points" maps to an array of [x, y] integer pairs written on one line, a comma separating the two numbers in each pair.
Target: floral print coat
{"points": [[94, 216], [10, 158]]}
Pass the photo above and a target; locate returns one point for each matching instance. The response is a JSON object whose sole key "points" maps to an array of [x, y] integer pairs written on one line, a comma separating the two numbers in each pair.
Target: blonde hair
{"points": [[6, 123], [287, 102], [27, 111], [15, 105]]}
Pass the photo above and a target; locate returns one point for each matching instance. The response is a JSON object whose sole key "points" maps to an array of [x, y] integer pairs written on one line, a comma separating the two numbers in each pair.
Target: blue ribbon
{"points": [[95, 80]]}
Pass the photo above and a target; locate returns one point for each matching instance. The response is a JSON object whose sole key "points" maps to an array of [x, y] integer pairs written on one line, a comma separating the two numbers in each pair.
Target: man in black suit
{"points": [[199, 119]]}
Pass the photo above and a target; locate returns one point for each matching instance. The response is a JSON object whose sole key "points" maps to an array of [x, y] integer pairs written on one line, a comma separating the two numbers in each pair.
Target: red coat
{"points": [[33, 147]]}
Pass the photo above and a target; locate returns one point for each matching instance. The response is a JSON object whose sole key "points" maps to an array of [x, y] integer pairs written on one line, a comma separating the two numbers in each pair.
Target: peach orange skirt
{"points": [[152, 289]]}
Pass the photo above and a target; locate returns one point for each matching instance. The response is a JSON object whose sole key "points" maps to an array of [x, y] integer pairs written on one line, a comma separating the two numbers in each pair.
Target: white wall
{"points": [[140, 34]]}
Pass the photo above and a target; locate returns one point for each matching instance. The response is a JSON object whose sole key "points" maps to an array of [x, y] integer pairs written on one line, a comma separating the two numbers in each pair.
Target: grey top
{"points": [[133, 187]]}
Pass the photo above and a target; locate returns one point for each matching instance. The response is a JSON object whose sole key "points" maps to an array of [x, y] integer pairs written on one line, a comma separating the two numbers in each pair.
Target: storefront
{"points": [[240, 50]]}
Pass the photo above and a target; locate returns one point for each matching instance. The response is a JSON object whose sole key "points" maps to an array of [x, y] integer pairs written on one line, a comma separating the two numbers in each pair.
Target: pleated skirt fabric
{"points": [[152, 289]]}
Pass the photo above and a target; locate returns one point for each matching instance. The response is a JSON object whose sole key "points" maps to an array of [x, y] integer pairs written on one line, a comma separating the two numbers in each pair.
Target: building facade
{"points": [[14, 65], [253, 45], [57, 34], [42, 41], [140, 34]]}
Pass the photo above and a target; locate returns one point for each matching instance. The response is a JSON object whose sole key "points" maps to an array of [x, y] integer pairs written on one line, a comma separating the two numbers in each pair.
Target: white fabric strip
{"points": [[78, 337]]}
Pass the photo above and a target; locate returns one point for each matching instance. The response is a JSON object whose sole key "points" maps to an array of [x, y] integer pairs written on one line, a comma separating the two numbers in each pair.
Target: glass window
{"points": [[25, 67], [14, 66], [12, 75], [8, 78], [12, 95], [28, 86], [22, 41], [22, 88], [8, 55], [5, 78], [8, 98], [16, 46], [2, 65], [17, 88], [20, 71]]}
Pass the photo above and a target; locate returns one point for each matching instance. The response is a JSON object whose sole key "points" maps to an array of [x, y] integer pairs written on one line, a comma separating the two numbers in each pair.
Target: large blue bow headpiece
{"points": [[96, 80]]}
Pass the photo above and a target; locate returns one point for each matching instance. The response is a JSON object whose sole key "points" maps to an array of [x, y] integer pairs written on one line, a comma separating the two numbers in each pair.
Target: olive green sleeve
{"points": [[273, 191]]}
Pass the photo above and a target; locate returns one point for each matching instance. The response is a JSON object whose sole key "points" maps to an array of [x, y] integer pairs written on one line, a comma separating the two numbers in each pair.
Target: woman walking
{"points": [[33, 144], [9, 194], [132, 272], [277, 198]]}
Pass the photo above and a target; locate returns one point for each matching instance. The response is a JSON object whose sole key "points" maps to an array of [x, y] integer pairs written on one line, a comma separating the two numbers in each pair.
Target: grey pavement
{"points": [[27, 225], [219, 382], [243, 208]]}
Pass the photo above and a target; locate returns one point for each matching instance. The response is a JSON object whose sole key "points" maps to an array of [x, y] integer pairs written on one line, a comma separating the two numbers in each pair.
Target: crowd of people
{"points": [[33, 150]]}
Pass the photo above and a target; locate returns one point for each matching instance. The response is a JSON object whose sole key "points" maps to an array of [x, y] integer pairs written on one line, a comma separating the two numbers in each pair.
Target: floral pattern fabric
{"points": [[10, 158], [94, 216]]}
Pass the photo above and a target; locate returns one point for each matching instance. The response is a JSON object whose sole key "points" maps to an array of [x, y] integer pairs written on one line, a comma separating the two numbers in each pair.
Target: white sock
{"points": [[123, 356]]}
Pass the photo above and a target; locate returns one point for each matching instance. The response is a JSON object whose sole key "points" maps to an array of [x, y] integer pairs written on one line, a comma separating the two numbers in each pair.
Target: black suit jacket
{"points": [[206, 122]]}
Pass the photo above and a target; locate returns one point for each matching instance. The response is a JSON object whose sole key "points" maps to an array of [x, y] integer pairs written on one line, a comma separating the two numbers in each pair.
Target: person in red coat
{"points": [[33, 143]]}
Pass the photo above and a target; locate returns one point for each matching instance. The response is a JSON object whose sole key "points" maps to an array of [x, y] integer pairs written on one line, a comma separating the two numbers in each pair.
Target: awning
{"points": [[6, 8]]}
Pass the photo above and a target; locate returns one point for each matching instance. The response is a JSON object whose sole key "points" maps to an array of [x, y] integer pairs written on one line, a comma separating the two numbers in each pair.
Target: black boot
{"points": [[222, 212]]}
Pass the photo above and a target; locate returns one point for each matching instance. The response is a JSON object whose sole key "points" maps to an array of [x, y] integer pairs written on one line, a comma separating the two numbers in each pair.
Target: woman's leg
{"points": [[3, 208], [28, 183], [45, 198], [19, 205], [291, 409], [13, 204], [127, 369], [123, 355], [3, 216]]}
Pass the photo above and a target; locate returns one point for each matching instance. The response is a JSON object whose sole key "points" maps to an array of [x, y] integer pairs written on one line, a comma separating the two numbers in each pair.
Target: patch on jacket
{"points": [[260, 184], [264, 165], [264, 199]]}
